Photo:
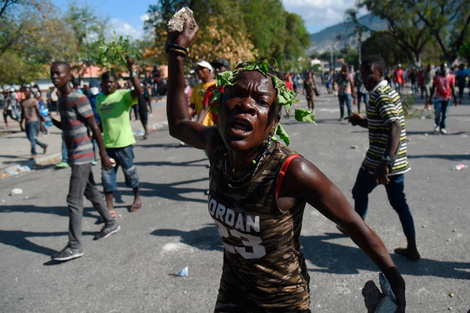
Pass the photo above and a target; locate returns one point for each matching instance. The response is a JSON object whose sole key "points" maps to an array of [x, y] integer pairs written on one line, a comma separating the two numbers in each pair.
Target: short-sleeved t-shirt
{"points": [[344, 83], [443, 83], [74, 110], [399, 75], [198, 94], [429, 77], [211, 117], [384, 108], [114, 112], [461, 75]]}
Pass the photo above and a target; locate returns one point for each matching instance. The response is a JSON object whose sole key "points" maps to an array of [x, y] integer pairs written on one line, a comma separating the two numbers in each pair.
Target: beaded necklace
{"points": [[255, 163]]}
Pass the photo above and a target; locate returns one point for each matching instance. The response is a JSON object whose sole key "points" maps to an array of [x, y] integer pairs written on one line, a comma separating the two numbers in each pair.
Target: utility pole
{"points": [[331, 60], [359, 57], [87, 39], [88, 47]]}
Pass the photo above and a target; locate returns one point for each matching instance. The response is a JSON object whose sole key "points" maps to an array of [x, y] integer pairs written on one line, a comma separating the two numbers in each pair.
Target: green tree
{"points": [[325, 56], [234, 29], [275, 32], [382, 43], [404, 25], [448, 22], [144, 46], [266, 26], [465, 51], [412, 23], [31, 35], [88, 32], [218, 35], [297, 39]]}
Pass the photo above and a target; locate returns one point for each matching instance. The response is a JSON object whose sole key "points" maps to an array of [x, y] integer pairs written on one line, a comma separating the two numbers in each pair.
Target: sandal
{"points": [[136, 207], [113, 215]]}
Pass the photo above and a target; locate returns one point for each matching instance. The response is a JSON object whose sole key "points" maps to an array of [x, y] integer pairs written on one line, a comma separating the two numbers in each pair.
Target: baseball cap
{"points": [[94, 83], [205, 64], [94, 90], [221, 62]]}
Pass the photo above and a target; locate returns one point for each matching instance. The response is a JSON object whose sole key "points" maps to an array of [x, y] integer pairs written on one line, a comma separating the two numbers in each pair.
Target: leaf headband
{"points": [[284, 96]]}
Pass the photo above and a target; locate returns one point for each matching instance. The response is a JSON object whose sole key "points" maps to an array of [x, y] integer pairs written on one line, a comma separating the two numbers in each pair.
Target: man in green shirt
{"points": [[113, 106]]}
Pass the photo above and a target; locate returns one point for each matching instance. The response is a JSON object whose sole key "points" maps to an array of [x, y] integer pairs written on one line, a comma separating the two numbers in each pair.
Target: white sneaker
{"points": [[443, 131], [436, 129]]}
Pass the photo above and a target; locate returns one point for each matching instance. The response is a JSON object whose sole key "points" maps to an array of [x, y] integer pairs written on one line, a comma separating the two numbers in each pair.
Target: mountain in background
{"points": [[325, 39]]}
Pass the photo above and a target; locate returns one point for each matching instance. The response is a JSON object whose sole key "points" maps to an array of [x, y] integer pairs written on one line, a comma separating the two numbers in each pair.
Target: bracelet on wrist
{"points": [[177, 51], [177, 48], [133, 74]]}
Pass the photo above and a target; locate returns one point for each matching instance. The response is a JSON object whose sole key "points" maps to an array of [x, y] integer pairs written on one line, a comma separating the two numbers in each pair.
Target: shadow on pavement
{"points": [[170, 191], [431, 132], [181, 164], [335, 258], [167, 145], [61, 211], [19, 239], [206, 238], [441, 156], [12, 156]]}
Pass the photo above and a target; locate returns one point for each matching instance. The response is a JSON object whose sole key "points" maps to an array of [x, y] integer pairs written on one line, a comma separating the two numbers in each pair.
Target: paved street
{"points": [[133, 270]]}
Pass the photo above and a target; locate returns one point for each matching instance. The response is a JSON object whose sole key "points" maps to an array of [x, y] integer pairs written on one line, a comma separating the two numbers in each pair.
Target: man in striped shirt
{"points": [[385, 162], [76, 119]]}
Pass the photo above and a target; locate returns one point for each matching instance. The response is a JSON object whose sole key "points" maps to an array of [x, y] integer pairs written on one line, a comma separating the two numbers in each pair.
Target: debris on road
{"points": [[16, 191], [459, 167], [183, 272]]}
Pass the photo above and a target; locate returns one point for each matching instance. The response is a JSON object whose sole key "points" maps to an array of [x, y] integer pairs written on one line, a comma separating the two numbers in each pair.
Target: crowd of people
{"points": [[436, 85], [258, 187]]}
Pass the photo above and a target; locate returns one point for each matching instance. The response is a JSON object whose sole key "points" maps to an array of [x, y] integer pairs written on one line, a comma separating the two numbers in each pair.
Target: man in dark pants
{"points": [[385, 162], [76, 117], [30, 114], [143, 101]]}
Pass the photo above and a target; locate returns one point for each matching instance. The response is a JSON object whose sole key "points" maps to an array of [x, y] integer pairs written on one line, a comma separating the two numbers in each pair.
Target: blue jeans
{"points": [[398, 86], [461, 89], [124, 157], [361, 96], [82, 183], [96, 149], [342, 99], [32, 130], [364, 185], [65, 156], [440, 111], [17, 113]]}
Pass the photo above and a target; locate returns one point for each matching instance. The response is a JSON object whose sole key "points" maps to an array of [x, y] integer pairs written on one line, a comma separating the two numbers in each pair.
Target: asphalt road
{"points": [[133, 270]]}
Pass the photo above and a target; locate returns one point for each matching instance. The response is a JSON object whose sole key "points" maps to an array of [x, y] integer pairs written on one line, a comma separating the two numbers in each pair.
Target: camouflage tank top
{"points": [[263, 270]]}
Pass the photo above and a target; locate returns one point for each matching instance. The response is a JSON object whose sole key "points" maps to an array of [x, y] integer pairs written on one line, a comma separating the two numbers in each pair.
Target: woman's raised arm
{"points": [[179, 122]]}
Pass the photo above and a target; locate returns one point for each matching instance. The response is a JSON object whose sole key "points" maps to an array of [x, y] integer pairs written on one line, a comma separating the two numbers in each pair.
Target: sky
{"points": [[127, 17]]}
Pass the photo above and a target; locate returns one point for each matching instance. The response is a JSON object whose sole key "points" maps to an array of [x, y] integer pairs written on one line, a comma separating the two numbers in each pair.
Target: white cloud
{"points": [[144, 18], [318, 14], [125, 29]]}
